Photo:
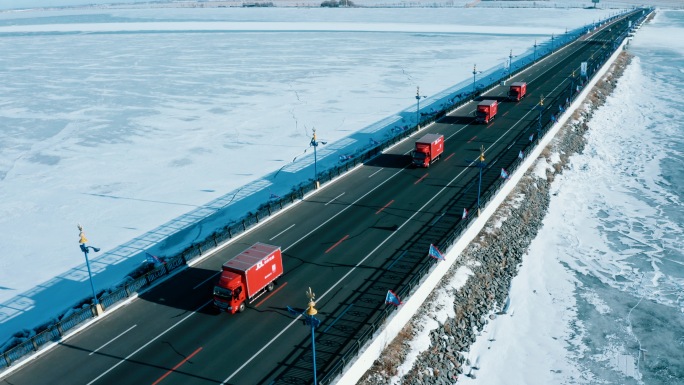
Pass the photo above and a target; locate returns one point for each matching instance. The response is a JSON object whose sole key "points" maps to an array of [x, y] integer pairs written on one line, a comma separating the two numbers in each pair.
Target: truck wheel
{"points": [[241, 307], [270, 286]]}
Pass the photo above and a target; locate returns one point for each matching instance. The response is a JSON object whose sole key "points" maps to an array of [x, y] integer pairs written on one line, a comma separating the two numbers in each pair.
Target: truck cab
{"points": [[517, 91], [428, 149], [486, 111], [421, 155], [247, 276], [229, 293]]}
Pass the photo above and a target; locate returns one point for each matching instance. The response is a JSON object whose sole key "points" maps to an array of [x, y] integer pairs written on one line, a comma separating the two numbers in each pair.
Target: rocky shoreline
{"points": [[494, 258]]}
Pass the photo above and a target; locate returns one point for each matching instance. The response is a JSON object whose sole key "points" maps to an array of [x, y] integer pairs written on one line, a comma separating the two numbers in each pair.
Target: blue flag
{"points": [[521, 155], [392, 298], [531, 137], [504, 174], [465, 214], [434, 253]]}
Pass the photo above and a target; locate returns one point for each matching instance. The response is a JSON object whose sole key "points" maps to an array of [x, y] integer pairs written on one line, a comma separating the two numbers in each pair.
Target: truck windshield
{"points": [[481, 113], [418, 155], [222, 292]]}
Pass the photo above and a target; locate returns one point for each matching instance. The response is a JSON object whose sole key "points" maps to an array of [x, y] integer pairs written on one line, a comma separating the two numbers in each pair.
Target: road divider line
{"points": [[449, 157], [384, 207], [269, 296], [337, 244], [186, 359], [332, 200], [112, 340], [374, 173], [421, 178], [148, 343], [473, 138], [280, 233]]}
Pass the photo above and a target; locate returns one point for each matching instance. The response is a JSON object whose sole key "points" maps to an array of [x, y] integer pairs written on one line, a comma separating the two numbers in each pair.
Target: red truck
{"points": [[246, 276], [428, 149], [517, 91], [486, 111]]}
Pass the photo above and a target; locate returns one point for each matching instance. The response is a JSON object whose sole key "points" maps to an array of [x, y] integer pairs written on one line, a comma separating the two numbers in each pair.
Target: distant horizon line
{"points": [[199, 4]]}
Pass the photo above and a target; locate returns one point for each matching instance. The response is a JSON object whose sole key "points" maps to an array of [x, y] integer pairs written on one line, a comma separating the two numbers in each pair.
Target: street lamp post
{"points": [[418, 97], [552, 46], [540, 107], [314, 322], [474, 73], [572, 84], [510, 64], [535, 51], [314, 143], [481, 165], [84, 248]]}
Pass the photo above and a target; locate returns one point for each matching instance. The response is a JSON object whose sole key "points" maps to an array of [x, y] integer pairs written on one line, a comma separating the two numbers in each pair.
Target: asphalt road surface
{"points": [[350, 242]]}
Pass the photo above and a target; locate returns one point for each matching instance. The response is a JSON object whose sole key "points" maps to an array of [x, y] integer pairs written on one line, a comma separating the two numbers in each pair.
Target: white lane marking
{"points": [[332, 200], [374, 173], [112, 340], [276, 236], [213, 276], [144, 346]]}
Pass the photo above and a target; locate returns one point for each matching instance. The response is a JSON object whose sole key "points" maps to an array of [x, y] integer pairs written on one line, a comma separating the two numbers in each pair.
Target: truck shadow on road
{"points": [[458, 120], [187, 290], [390, 161], [499, 99]]}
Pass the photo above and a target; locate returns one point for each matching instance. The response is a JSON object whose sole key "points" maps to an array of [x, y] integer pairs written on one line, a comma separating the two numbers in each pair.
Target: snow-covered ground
{"points": [[598, 298]]}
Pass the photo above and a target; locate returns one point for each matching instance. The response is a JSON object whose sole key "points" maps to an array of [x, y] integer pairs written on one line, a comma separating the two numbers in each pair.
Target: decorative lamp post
{"points": [[540, 107], [84, 248], [572, 84], [510, 64], [535, 51], [314, 143], [418, 97], [475, 72], [481, 165], [314, 322], [552, 46]]}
